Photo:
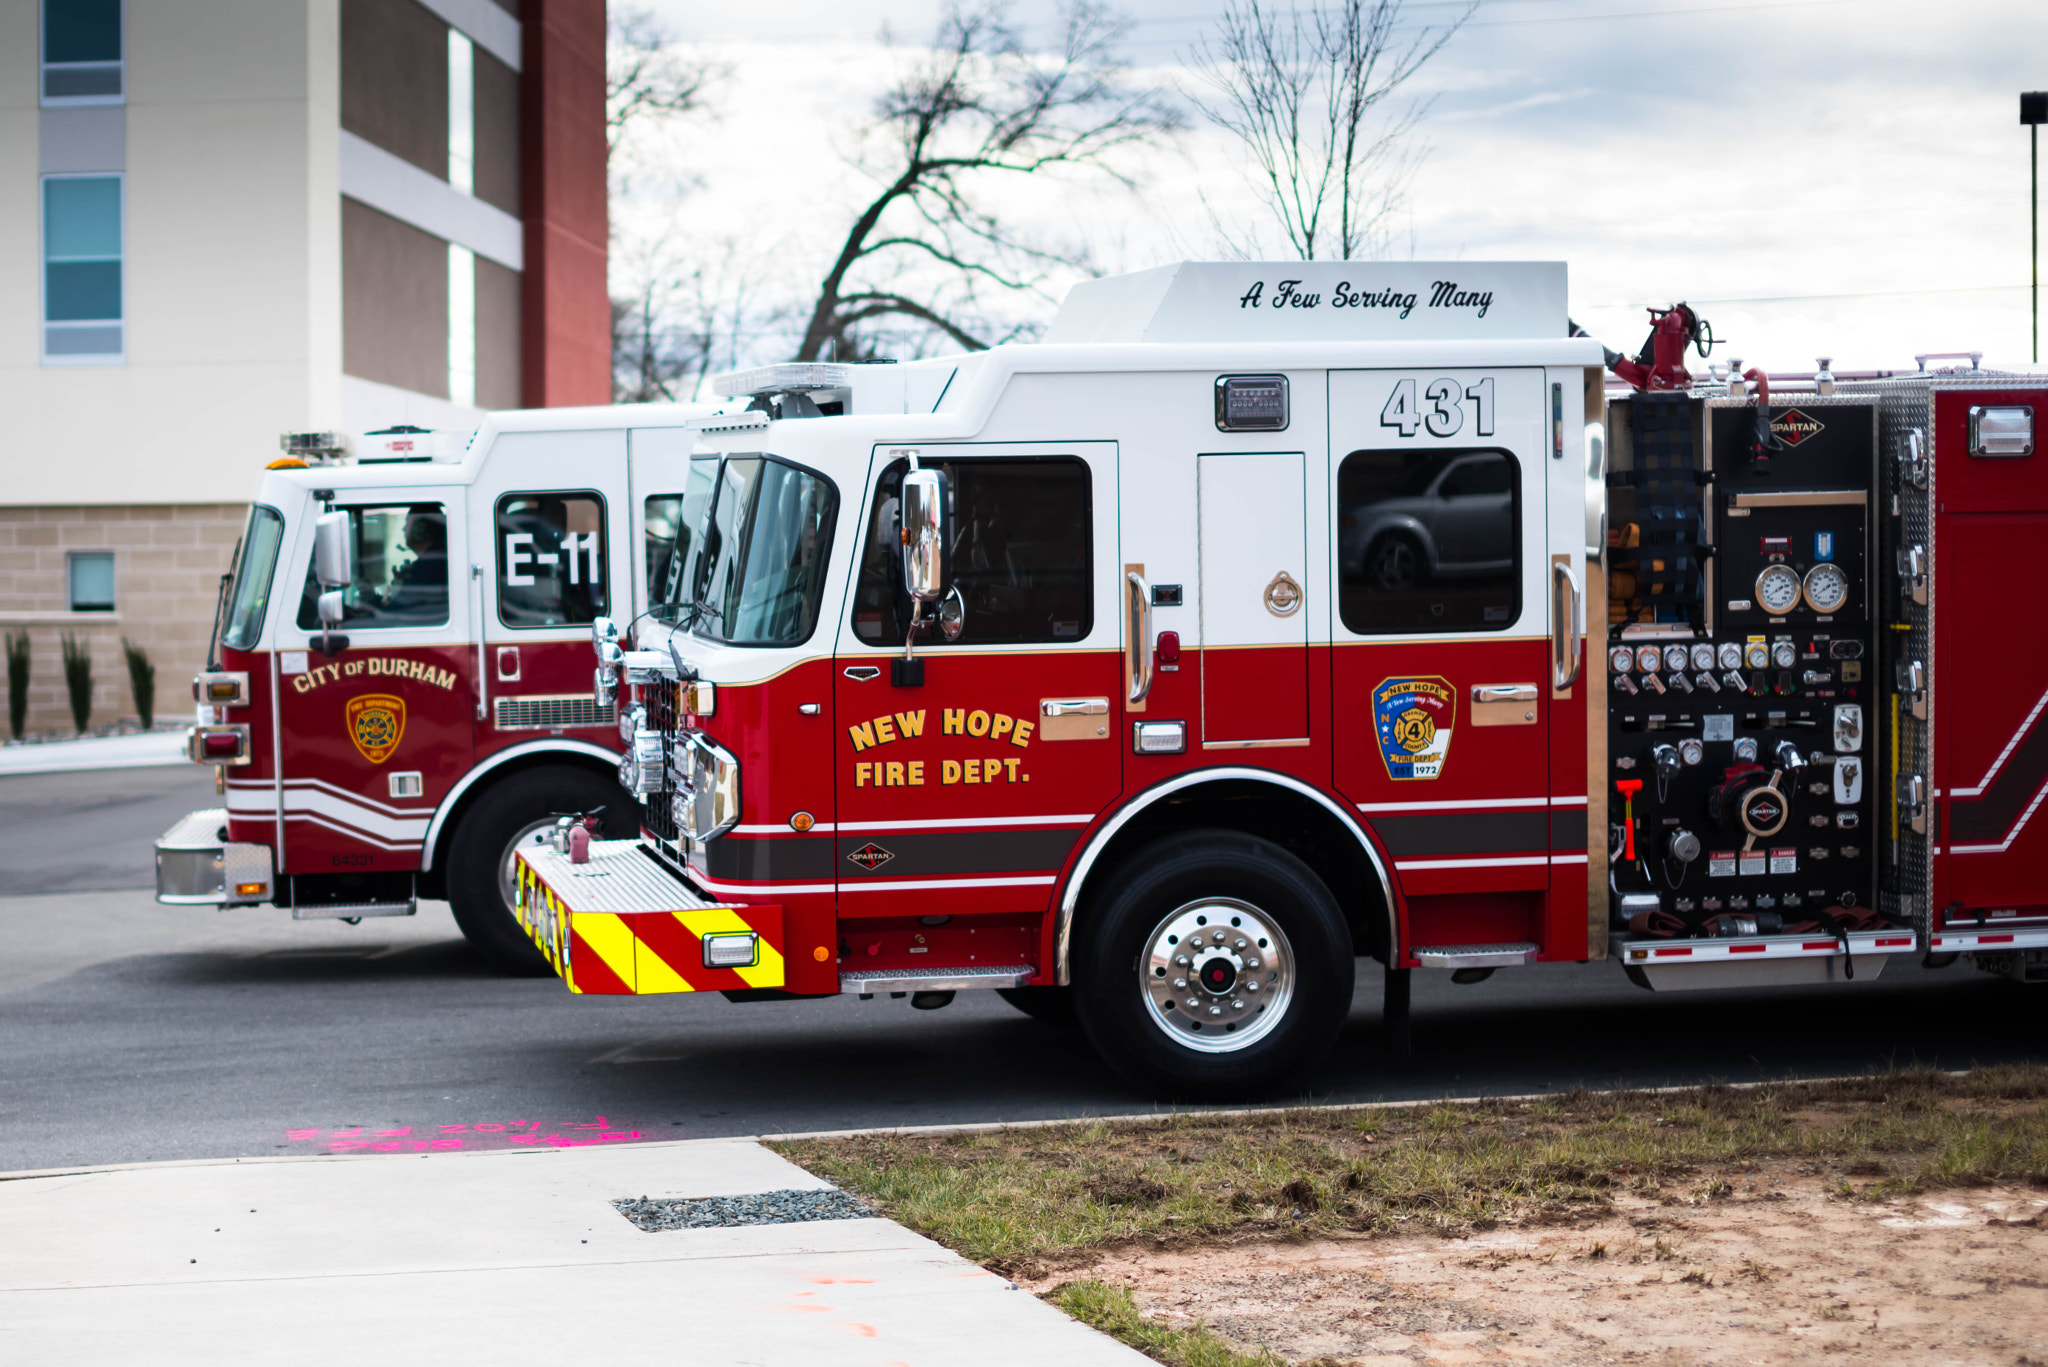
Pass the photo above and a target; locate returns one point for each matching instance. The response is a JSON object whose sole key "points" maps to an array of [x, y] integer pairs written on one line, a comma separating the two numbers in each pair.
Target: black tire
{"points": [[1046, 1005], [1198, 885], [482, 847]]}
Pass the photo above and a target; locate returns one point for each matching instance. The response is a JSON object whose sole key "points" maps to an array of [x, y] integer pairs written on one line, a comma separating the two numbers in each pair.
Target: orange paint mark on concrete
{"points": [[859, 1330], [841, 1281]]}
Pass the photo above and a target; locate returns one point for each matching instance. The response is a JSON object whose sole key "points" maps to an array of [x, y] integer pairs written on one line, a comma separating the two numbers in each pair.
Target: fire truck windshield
{"points": [[253, 574], [763, 552], [675, 527]]}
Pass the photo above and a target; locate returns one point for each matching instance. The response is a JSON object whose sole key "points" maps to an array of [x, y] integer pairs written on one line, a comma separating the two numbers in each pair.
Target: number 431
{"points": [[1444, 416]]}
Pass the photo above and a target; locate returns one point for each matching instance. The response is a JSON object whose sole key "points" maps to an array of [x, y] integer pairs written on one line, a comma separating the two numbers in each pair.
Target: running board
{"points": [[1975, 941], [1476, 956], [868, 981]]}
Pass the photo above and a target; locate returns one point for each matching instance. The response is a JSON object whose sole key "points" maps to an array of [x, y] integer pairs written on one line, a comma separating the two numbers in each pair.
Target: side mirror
{"points": [[333, 608], [334, 551], [925, 555]]}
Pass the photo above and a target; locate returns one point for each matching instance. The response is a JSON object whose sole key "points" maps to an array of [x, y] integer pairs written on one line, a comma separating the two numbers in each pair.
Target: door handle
{"points": [[1567, 624], [1138, 635], [1485, 693], [1074, 707]]}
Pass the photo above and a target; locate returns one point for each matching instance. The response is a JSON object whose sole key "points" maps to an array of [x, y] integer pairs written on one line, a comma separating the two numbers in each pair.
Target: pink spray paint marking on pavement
{"points": [[473, 1137]]}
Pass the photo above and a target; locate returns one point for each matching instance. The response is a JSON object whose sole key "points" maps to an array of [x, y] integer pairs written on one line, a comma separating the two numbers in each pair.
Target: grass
{"points": [[1025, 1201], [1111, 1309]]}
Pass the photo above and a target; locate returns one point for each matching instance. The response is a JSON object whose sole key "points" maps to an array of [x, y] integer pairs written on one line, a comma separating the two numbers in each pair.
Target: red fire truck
{"points": [[400, 683]]}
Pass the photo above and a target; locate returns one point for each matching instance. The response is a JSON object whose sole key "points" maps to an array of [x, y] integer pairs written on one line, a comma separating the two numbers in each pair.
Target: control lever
{"points": [[1733, 678], [1681, 683], [1709, 682], [1788, 757]]}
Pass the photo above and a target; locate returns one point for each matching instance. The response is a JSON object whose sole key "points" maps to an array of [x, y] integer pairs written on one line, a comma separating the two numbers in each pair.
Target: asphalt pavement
{"points": [[92, 829], [131, 1032]]}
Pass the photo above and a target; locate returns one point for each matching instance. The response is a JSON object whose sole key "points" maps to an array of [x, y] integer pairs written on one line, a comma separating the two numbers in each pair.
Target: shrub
{"points": [[17, 681], [78, 679], [141, 682]]}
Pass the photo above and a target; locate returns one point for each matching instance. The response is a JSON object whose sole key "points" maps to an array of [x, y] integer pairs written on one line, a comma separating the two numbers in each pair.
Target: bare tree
{"points": [[683, 322], [977, 107], [1309, 96], [646, 75]]}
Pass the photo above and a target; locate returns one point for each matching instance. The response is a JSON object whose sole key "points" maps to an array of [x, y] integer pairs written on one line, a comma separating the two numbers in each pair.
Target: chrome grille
{"points": [[657, 815], [543, 712]]}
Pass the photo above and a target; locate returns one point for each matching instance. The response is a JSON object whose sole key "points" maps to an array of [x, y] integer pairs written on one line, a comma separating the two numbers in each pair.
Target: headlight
{"points": [[640, 768], [631, 720], [604, 687]]}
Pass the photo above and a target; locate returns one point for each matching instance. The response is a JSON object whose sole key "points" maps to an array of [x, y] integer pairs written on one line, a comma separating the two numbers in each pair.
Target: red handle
{"points": [[1628, 787]]}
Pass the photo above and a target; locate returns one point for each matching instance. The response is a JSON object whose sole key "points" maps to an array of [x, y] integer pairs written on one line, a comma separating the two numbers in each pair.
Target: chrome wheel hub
{"points": [[1217, 975]]}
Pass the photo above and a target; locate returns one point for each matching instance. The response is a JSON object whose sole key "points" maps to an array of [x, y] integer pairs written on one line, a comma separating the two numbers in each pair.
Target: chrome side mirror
{"points": [[603, 632], [333, 608], [924, 535], [334, 552]]}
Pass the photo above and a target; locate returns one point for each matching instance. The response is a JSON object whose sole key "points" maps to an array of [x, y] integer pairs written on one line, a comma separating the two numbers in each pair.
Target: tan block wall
{"points": [[168, 561]]}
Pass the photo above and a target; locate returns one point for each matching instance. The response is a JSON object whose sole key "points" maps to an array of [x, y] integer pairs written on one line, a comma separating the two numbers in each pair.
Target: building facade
{"points": [[222, 220]]}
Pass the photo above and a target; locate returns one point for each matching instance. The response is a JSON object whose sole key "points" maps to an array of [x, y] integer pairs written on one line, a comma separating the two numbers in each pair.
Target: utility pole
{"points": [[2034, 113]]}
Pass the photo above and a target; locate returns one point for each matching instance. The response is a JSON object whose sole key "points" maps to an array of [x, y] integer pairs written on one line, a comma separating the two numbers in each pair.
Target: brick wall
{"points": [[167, 566]]}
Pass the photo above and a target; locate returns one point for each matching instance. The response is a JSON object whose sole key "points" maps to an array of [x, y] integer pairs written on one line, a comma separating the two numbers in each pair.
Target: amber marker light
{"points": [[248, 889], [802, 821]]}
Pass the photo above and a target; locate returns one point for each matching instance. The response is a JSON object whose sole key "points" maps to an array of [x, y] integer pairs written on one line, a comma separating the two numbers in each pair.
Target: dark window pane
{"points": [[401, 577], [251, 594], [1429, 541], [81, 291], [1021, 549], [764, 554], [82, 31], [551, 560], [92, 581]]}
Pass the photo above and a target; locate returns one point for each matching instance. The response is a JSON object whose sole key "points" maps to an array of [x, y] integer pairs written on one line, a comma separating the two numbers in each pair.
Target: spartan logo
{"points": [[1794, 427], [871, 856]]}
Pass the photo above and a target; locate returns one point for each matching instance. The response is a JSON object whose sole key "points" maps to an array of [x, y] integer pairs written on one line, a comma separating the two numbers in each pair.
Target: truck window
{"points": [[551, 559], [1429, 541], [253, 573], [401, 575], [766, 542], [1022, 553], [674, 522]]}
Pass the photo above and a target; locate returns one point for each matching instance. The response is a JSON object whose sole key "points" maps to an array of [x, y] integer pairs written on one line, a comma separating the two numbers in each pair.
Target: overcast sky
{"points": [[1819, 177]]}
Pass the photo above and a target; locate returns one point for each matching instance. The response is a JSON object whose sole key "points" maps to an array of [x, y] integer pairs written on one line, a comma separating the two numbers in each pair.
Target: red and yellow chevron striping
{"points": [[604, 933]]}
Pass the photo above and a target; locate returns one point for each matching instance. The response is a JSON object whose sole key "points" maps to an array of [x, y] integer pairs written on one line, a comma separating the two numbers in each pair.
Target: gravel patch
{"points": [[760, 1208]]}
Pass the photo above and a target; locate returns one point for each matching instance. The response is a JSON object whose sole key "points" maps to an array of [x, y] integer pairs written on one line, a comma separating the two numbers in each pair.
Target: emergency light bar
{"points": [[791, 377], [314, 446]]}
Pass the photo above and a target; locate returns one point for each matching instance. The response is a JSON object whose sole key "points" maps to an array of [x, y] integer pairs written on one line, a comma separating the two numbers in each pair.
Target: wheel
{"points": [[1215, 965], [1047, 1005], [1394, 562], [480, 869]]}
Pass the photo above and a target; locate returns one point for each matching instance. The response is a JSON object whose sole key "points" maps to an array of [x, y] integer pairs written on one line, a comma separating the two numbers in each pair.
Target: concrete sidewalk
{"points": [[396, 1258]]}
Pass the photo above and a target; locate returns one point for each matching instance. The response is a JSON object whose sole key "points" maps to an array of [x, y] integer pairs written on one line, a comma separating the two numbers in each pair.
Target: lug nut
{"points": [[1251, 986], [1240, 944], [1180, 984], [1251, 963], [1180, 960], [1215, 1010], [1237, 1005]]}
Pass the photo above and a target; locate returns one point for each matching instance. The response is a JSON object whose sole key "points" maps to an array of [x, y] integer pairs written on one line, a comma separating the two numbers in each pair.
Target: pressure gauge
{"points": [[1674, 657], [1702, 656], [1730, 655], [1777, 589], [1745, 749], [1756, 655], [1783, 655], [1648, 658], [1827, 588], [1621, 659], [1691, 751]]}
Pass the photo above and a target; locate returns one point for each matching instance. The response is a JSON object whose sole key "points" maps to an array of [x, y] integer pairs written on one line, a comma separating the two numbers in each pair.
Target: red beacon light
{"points": [[1168, 650]]}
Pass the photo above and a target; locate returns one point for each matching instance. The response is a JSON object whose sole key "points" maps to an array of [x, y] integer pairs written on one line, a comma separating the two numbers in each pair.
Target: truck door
{"points": [[1442, 680], [967, 793], [1254, 568], [555, 552], [375, 733]]}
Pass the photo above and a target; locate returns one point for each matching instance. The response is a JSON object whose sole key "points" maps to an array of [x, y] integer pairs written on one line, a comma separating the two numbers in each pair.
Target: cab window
{"points": [[551, 559], [1429, 541], [1021, 553], [671, 541], [401, 570]]}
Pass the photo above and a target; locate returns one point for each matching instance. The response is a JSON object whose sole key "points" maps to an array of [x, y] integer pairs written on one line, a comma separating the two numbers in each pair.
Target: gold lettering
{"points": [[1011, 765], [895, 778], [447, 678], [973, 771], [860, 774], [1002, 726], [1023, 736], [912, 724], [884, 733], [302, 683], [863, 736], [917, 773], [977, 723], [949, 771], [955, 723]]}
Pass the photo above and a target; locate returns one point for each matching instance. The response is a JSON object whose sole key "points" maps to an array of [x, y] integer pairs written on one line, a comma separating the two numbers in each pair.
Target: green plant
{"points": [[17, 681], [141, 682], [78, 679]]}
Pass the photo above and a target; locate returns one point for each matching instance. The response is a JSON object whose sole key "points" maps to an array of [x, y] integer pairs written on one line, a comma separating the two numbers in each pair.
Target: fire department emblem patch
{"points": [[1412, 719], [871, 856], [376, 723]]}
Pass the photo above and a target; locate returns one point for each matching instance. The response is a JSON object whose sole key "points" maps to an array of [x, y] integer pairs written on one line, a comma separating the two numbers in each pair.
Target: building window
{"points": [[82, 52], [461, 326], [92, 581], [461, 112], [82, 269]]}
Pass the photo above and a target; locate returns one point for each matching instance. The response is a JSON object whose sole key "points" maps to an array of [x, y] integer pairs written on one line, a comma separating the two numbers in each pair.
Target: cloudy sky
{"points": [[1818, 177]]}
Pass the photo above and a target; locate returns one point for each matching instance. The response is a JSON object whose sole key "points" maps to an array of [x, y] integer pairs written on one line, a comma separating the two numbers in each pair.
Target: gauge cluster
{"points": [[1741, 738]]}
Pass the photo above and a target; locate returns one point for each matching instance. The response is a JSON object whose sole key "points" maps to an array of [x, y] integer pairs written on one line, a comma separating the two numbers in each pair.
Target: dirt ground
{"points": [[1775, 1271]]}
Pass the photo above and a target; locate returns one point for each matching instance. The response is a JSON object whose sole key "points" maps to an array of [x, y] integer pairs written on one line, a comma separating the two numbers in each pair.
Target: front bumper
{"points": [[197, 865]]}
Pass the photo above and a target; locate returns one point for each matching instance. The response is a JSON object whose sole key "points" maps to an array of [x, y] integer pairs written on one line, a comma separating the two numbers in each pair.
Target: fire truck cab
{"points": [[400, 687]]}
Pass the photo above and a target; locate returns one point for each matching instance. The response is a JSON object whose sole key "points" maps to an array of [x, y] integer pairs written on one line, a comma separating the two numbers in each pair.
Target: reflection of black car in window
{"points": [[1441, 520]]}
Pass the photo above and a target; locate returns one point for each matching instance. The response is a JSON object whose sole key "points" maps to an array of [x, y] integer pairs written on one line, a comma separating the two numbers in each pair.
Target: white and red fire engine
{"points": [[390, 723]]}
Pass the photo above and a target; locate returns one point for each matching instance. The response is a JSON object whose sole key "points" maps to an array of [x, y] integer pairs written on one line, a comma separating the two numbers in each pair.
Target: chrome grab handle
{"points": [[1138, 648], [476, 615], [1074, 707], [1504, 693], [1568, 625]]}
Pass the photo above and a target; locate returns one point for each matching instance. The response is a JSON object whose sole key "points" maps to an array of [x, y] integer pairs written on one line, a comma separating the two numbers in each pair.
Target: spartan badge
{"points": [[1412, 720], [871, 856], [1793, 427], [376, 723]]}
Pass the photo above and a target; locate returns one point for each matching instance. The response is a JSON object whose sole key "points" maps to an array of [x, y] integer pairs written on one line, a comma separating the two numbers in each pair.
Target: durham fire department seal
{"points": [[376, 723], [1412, 718]]}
